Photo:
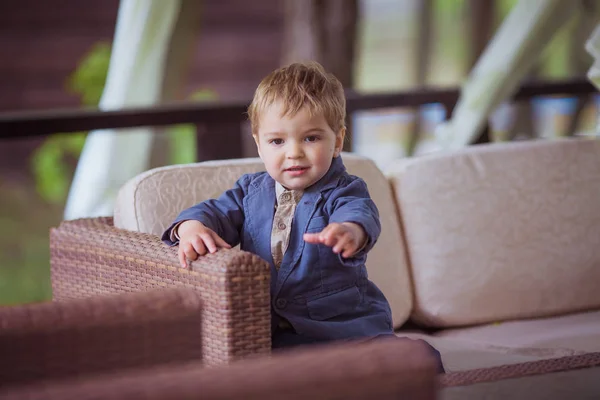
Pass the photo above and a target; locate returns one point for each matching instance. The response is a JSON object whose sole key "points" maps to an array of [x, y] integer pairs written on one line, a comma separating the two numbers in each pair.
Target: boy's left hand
{"points": [[346, 238]]}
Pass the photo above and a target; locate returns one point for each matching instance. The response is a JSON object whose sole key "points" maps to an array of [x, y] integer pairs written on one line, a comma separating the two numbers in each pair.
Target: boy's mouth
{"points": [[296, 170]]}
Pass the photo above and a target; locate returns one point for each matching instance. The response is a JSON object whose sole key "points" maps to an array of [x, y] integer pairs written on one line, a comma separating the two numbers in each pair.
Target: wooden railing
{"points": [[225, 120]]}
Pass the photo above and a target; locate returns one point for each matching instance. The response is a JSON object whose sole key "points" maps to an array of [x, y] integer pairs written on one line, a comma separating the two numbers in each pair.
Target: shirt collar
{"points": [[279, 190]]}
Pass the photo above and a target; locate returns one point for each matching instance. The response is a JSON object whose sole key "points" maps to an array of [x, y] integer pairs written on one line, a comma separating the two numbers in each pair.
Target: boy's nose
{"points": [[295, 151]]}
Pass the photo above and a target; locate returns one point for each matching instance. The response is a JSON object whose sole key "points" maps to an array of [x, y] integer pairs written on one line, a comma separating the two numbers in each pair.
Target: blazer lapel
{"points": [[304, 212], [259, 213]]}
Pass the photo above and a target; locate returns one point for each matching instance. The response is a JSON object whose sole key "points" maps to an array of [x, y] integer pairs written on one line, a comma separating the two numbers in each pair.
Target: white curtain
{"points": [[135, 77], [497, 74]]}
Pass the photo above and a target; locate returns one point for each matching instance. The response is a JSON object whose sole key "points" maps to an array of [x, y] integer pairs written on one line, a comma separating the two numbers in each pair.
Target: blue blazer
{"points": [[321, 294]]}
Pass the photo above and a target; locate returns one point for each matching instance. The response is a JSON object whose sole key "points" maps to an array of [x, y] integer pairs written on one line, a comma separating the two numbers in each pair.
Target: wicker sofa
{"points": [[98, 334], [492, 254], [148, 345]]}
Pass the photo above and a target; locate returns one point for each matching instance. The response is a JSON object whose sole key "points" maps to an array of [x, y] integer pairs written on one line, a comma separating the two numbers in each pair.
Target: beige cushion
{"points": [[572, 384], [460, 354], [151, 201], [571, 334], [502, 231]]}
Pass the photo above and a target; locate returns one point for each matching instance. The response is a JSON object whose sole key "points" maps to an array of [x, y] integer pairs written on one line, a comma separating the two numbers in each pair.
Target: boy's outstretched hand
{"points": [[195, 240], [346, 238]]}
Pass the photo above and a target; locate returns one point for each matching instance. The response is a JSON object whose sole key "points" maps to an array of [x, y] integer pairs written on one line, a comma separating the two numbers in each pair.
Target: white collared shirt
{"points": [[285, 208]]}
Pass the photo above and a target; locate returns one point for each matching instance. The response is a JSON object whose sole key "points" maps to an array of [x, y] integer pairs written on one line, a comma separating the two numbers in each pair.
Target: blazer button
{"points": [[281, 226], [281, 303]]}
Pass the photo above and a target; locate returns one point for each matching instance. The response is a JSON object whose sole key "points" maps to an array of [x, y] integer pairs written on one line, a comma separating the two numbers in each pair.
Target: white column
{"points": [[135, 78]]}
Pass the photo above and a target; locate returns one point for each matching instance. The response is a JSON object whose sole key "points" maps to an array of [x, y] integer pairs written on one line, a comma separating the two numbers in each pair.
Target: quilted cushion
{"points": [[502, 231]]}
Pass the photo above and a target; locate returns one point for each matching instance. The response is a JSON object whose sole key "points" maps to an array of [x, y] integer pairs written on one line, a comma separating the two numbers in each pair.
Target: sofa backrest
{"points": [[502, 231], [150, 202]]}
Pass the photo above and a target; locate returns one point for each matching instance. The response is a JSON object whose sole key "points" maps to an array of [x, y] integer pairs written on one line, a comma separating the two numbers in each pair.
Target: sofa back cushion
{"points": [[502, 231], [151, 201]]}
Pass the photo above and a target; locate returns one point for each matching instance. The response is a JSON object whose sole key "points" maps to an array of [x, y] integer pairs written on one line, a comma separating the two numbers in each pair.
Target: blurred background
{"points": [[55, 54]]}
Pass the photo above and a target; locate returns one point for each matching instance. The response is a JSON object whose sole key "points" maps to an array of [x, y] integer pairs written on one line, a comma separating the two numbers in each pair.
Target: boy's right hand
{"points": [[196, 239]]}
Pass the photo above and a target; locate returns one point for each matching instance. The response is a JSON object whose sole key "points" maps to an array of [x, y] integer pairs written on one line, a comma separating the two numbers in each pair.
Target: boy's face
{"points": [[297, 151]]}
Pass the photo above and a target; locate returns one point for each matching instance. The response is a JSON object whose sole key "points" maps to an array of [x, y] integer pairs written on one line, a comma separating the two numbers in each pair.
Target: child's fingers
{"points": [[182, 259], [343, 243], [188, 253], [350, 250], [209, 242], [325, 235], [199, 246], [336, 236], [329, 235], [312, 238]]}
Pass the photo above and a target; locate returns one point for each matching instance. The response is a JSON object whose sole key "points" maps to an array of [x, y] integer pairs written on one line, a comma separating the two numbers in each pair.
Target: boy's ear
{"points": [[339, 142]]}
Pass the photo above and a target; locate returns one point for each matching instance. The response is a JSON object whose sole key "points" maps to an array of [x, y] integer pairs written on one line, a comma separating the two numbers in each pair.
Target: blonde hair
{"points": [[298, 85]]}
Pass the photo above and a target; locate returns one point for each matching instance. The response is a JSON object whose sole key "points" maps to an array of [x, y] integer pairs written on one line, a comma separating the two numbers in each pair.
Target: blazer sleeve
{"points": [[352, 203], [224, 215]]}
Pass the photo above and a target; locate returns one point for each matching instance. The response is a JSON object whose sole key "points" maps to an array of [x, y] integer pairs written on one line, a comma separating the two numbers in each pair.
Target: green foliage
{"points": [[452, 8], [50, 161], [88, 80], [24, 251], [448, 46], [182, 143], [555, 59], [50, 167]]}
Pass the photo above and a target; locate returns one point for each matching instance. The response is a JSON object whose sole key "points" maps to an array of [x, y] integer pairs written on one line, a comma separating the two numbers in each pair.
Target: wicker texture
{"points": [[375, 370], [470, 377], [75, 338], [91, 256]]}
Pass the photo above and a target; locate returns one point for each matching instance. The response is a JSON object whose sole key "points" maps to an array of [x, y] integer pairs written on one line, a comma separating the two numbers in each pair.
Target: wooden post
{"points": [[340, 31], [425, 15], [178, 63], [339, 35], [303, 31], [323, 31], [481, 21]]}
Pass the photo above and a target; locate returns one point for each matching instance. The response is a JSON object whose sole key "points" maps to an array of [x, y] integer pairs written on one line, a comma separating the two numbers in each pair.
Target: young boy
{"points": [[306, 215]]}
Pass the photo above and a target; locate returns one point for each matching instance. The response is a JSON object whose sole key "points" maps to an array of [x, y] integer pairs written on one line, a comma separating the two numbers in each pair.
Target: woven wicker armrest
{"points": [[375, 370], [91, 256], [102, 333]]}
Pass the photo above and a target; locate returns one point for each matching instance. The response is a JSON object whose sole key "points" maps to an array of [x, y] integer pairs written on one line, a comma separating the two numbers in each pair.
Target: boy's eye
{"points": [[312, 138], [276, 141]]}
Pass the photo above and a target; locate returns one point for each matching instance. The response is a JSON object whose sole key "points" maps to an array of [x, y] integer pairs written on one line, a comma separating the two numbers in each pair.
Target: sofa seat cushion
{"points": [[567, 383], [514, 342], [150, 202], [502, 231], [569, 334], [461, 354]]}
